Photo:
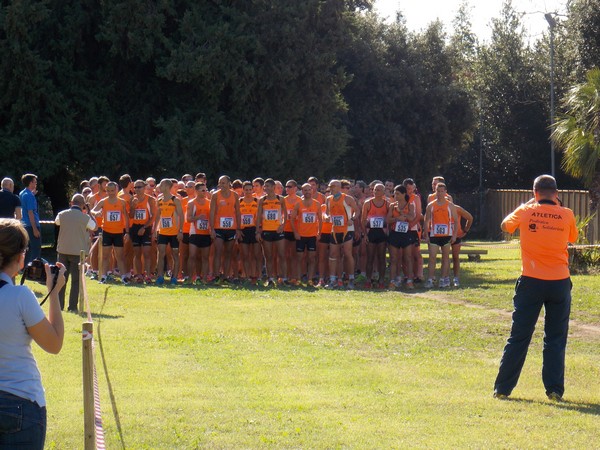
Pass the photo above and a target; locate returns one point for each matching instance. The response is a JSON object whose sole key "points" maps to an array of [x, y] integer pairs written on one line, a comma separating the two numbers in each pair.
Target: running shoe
{"points": [[160, 281], [173, 281], [428, 284], [409, 285], [455, 282]]}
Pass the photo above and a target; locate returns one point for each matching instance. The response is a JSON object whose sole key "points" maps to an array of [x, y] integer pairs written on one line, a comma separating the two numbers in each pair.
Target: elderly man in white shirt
{"points": [[73, 237]]}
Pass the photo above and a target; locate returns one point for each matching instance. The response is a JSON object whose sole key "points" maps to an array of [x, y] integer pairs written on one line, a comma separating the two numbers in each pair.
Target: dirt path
{"points": [[577, 329]]}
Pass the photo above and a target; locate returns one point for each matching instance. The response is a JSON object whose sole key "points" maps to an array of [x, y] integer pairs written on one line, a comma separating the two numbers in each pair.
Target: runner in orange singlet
{"points": [[323, 246], [126, 194], [224, 224], [249, 247], [115, 230], [198, 215], [291, 200], [415, 229], [400, 240], [306, 222], [142, 215], [271, 217], [169, 223], [374, 214], [440, 233], [341, 208]]}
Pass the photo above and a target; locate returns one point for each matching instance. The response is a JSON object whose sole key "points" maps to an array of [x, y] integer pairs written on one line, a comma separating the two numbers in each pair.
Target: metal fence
{"points": [[491, 207]]}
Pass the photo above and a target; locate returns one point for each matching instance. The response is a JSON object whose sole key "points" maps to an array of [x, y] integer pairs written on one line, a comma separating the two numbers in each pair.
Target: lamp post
{"points": [[552, 24]]}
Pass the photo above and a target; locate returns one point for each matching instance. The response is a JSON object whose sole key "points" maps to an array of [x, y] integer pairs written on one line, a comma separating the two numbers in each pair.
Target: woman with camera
{"points": [[22, 402]]}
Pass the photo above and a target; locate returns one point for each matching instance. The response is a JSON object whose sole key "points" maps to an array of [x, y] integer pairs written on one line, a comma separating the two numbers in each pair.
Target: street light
{"points": [[552, 24]]}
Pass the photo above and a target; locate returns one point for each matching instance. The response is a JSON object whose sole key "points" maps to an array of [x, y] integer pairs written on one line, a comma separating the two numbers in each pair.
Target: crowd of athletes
{"points": [[340, 234]]}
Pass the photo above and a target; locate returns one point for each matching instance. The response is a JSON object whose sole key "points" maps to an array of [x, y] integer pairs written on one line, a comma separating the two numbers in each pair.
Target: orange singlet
{"points": [[184, 207], [201, 225], [399, 226], [141, 213], [98, 197], [271, 219], [307, 223], [113, 218], [326, 227], [377, 214], [248, 212], [440, 220], [337, 211], [225, 213], [289, 207], [167, 225]]}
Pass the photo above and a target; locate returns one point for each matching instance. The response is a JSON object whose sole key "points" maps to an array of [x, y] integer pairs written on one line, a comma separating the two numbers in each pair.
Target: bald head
{"points": [[78, 200]]}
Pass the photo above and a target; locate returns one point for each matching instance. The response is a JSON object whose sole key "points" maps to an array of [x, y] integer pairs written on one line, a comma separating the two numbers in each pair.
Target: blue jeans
{"points": [[530, 295], [35, 245], [22, 423]]}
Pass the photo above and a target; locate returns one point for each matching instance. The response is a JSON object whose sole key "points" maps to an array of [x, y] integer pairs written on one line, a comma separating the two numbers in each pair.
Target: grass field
{"points": [[183, 368]]}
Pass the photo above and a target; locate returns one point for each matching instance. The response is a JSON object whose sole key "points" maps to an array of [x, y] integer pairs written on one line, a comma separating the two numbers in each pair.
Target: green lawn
{"points": [[237, 368]]}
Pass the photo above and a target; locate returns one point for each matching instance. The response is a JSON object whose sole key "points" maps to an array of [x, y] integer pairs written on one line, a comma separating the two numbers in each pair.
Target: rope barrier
{"points": [[94, 431]]}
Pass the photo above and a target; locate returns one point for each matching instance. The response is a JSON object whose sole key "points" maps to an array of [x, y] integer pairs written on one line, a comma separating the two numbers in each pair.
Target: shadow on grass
{"points": [[581, 407]]}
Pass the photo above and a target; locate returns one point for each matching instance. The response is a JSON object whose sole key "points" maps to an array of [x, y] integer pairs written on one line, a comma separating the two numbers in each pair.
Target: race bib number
{"points": [[272, 214], [338, 221], [440, 229], [166, 222], [376, 222], [114, 216], [247, 220], [202, 225], [401, 227], [309, 217], [140, 214], [226, 222]]}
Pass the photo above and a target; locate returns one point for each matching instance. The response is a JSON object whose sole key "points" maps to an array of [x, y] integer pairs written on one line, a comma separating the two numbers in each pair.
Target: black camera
{"points": [[35, 271]]}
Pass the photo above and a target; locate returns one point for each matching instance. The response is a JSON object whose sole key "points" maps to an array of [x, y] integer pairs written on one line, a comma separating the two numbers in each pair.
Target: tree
{"points": [[577, 133], [515, 115]]}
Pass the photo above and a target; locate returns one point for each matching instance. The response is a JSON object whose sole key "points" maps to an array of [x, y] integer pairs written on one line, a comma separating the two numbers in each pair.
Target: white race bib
{"points": [[113, 216], [201, 224], [401, 227], [272, 214], [247, 220], [309, 217], [226, 222], [338, 221], [140, 214], [166, 222], [376, 222], [440, 229]]}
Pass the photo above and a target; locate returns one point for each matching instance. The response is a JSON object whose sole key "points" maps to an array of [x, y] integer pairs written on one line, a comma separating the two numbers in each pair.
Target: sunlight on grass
{"points": [[235, 368]]}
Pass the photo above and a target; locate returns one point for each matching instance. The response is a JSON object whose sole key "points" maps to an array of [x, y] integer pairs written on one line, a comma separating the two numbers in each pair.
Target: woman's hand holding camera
{"points": [[51, 275]]}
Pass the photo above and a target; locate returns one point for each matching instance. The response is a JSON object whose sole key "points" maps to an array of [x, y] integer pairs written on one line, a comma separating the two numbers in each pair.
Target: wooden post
{"points": [[89, 427], [81, 306]]}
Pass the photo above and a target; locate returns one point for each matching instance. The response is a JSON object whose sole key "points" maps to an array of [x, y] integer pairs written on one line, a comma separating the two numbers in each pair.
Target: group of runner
{"points": [[251, 232]]}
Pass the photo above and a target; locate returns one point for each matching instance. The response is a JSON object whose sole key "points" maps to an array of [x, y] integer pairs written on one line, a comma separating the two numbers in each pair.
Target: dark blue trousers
{"points": [[22, 423], [530, 295], [35, 246]]}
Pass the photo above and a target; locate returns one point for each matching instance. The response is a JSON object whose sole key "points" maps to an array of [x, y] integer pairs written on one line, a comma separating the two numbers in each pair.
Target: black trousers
{"points": [[71, 262], [531, 294]]}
